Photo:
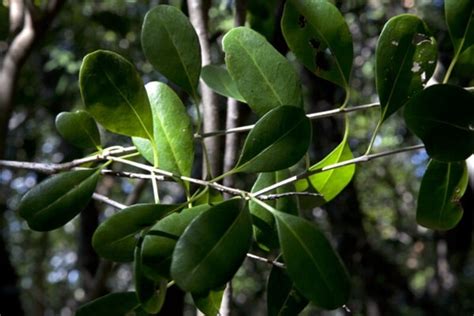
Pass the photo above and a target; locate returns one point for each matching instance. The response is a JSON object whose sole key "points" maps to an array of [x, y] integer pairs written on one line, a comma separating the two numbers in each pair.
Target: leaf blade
{"points": [[218, 79], [78, 128], [110, 304]]}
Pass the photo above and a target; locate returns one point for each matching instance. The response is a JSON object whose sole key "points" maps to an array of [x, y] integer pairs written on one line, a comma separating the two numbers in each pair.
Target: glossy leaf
{"points": [[283, 299], [460, 20], [304, 249], [112, 304], [150, 293], [58, 199], [159, 242], [443, 117], [318, 35], [78, 128], [209, 303], [442, 187], [264, 77], [173, 133], [171, 45], [405, 60], [264, 228], [218, 79], [212, 248], [278, 141], [114, 95], [115, 238]]}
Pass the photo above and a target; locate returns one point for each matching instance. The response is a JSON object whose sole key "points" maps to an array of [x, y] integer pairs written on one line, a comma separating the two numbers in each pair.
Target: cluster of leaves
{"points": [[199, 245]]}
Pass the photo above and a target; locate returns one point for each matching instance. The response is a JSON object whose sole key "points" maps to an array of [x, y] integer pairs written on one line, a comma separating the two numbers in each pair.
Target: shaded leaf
{"points": [[78, 128], [209, 303], [460, 20], [304, 249], [263, 222], [278, 141], [173, 132], [405, 60], [318, 35], [442, 187], [114, 95], [58, 199], [218, 79], [160, 240], [113, 304], [115, 238], [264, 77], [283, 299], [443, 117], [212, 248], [171, 45]]}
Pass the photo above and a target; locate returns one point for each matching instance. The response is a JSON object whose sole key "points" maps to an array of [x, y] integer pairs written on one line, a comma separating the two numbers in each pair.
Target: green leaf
{"points": [[264, 77], [405, 60], [283, 299], [218, 79], [115, 238], [460, 20], [209, 303], [150, 293], [212, 248], [78, 128], [278, 141], [159, 242], [443, 117], [113, 304], [442, 187], [264, 228], [319, 36], [171, 45], [114, 95], [58, 199], [330, 183], [305, 249], [173, 133]]}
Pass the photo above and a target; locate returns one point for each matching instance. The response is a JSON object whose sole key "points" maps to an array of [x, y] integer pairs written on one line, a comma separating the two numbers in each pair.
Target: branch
{"points": [[109, 201], [270, 261]]}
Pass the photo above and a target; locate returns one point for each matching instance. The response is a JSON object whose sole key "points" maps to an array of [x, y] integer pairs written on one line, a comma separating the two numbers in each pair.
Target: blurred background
{"points": [[397, 267]]}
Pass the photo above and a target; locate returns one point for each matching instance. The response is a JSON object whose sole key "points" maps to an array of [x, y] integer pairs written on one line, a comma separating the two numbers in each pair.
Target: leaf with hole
{"points": [[172, 131], [160, 240], [171, 45], [460, 21], [283, 299], [443, 117], [79, 129], [304, 249], [58, 199], [110, 305], [442, 187], [264, 77], [209, 303], [405, 60], [218, 79], [318, 35], [212, 248], [114, 95], [115, 238], [264, 228], [278, 141]]}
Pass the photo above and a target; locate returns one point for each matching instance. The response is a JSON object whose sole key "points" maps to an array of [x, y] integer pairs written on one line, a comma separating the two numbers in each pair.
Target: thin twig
{"points": [[266, 260], [287, 194], [109, 201]]}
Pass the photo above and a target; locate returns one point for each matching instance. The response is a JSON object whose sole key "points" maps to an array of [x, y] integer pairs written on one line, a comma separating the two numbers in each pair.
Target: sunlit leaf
{"points": [[112, 304], [304, 249], [115, 238], [278, 141], [58, 199], [78, 128], [405, 60], [171, 45], [264, 77], [114, 95], [460, 17], [318, 35], [173, 132], [443, 117], [212, 248], [442, 187], [218, 79]]}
